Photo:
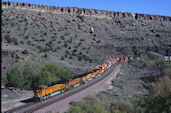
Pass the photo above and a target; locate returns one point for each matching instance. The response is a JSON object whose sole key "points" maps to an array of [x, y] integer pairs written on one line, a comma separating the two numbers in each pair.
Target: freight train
{"points": [[46, 91]]}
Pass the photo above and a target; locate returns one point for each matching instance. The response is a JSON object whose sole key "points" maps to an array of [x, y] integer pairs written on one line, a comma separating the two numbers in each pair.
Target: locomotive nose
{"points": [[37, 93]]}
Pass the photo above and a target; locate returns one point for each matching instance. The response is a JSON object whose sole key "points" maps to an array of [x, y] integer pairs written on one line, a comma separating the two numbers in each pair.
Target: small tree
{"points": [[62, 58], [15, 41], [154, 56], [25, 52], [15, 78], [8, 39]]}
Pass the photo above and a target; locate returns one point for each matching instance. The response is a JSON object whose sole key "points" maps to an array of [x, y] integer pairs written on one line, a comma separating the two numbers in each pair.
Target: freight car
{"points": [[45, 91]]}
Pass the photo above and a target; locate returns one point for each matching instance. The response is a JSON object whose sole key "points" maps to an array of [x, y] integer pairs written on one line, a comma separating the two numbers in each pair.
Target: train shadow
{"points": [[30, 100]]}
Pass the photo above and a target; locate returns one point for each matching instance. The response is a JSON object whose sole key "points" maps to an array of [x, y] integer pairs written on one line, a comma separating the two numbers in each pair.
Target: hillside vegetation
{"points": [[28, 75], [156, 100]]}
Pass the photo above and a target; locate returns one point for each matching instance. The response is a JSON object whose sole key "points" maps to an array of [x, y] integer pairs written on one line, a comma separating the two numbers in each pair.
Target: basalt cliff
{"points": [[88, 12]]}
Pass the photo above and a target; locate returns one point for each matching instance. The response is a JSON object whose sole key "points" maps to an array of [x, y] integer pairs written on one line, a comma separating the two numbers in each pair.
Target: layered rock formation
{"points": [[88, 12]]}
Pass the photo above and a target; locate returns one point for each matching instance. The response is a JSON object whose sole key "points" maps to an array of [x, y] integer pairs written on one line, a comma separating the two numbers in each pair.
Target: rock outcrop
{"points": [[88, 12]]}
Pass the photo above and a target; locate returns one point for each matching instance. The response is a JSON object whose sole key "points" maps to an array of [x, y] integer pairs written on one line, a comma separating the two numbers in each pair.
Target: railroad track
{"points": [[31, 107]]}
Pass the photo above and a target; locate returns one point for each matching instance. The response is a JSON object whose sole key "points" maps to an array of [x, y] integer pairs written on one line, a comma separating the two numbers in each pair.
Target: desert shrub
{"points": [[79, 57], [67, 52], [54, 39], [45, 55], [15, 41], [65, 45], [83, 107], [149, 63], [21, 42], [154, 56], [160, 64], [29, 75], [46, 49], [70, 57], [164, 67], [26, 37], [25, 52], [79, 44], [161, 88], [74, 50], [58, 71], [62, 37], [49, 44], [157, 35], [8, 38], [45, 77], [133, 61], [75, 109], [45, 34], [15, 78], [70, 40], [98, 41], [66, 55], [28, 42], [69, 47], [40, 48], [167, 72], [159, 98], [62, 57], [42, 40], [80, 53], [85, 57], [120, 108], [82, 40]]}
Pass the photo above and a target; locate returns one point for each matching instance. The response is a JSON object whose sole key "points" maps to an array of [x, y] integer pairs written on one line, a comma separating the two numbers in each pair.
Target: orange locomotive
{"points": [[45, 91]]}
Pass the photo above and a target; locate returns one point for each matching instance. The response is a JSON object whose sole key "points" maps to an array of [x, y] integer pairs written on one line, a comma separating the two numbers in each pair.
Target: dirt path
{"points": [[63, 105]]}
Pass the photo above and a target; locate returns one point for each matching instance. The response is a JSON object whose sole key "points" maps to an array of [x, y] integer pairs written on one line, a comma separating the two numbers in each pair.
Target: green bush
{"points": [[149, 63], [21, 42], [28, 42], [25, 52], [159, 99], [79, 58], [29, 75], [65, 45], [164, 67], [154, 56], [70, 57], [15, 41], [15, 78], [58, 71], [83, 107], [45, 55], [161, 88], [133, 60], [45, 77], [8, 38], [62, 58]]}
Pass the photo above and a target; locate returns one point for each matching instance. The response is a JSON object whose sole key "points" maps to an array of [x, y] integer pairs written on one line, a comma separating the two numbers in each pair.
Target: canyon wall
{"points": [[89, 12]]}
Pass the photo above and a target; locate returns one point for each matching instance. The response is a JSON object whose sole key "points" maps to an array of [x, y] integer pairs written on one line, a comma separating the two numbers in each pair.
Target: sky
{"points": [[155, 7]]}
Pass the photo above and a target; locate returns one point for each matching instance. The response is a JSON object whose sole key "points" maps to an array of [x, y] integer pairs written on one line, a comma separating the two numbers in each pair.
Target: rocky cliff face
{"points": [[88, 12]]}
